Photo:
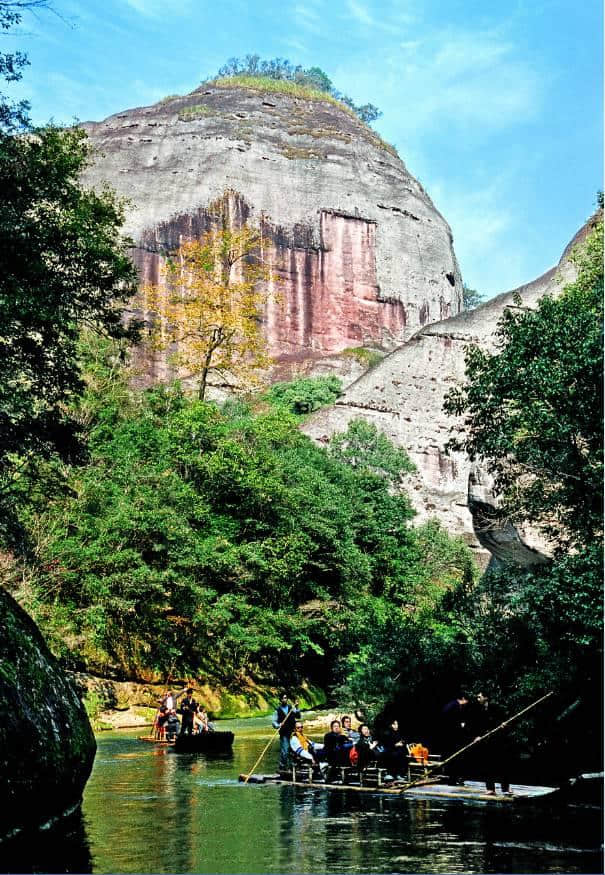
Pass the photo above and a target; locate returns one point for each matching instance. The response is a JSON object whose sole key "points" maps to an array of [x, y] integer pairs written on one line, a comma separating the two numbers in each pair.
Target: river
{"points": [[147, 809]]}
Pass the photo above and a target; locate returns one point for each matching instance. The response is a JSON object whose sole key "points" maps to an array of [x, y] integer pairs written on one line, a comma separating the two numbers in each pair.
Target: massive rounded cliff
{"points": [[360, 253]]}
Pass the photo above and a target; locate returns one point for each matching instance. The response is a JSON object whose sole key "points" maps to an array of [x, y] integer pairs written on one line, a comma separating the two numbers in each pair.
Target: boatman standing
{"points": [[455, 735], [188, 709], [284, 719]]}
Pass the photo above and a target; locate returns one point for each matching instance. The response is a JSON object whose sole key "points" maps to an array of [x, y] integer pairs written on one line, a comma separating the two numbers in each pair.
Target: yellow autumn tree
{"points": [[207, 311]]}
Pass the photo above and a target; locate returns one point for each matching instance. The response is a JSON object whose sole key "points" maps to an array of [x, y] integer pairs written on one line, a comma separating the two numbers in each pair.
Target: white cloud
{"points": [[484, 221], [466, 82], [360, 13]]}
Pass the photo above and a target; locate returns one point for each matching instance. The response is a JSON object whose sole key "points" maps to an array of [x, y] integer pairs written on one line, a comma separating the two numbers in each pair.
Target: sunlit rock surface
{"points": [[360, 254], [46, 744], [403, 396]]}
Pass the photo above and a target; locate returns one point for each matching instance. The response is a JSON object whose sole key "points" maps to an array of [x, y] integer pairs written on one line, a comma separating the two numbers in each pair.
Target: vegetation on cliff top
{"points": [[279, 74]]}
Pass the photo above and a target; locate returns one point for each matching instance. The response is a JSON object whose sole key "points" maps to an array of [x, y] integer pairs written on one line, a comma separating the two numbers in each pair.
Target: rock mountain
{"points": [[403, 396], [362, 258], [361, 254]]}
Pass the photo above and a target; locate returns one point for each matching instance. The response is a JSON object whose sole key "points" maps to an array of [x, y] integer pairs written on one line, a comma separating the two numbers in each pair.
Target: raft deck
{"points": [[431, 788]]}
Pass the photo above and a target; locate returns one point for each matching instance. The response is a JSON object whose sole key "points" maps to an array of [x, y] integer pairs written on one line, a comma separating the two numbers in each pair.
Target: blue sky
{"points": [[495, 107]]}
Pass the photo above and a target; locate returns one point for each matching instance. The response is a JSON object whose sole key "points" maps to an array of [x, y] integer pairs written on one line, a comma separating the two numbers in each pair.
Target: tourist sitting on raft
{"points": [[172, 726], [368, 749], [352, 734], [395, 754], [337, 745], [201, 723], [302, 747]]}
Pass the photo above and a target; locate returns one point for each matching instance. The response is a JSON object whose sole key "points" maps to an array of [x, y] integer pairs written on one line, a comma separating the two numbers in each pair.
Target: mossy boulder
{"points": [[47, 746]]}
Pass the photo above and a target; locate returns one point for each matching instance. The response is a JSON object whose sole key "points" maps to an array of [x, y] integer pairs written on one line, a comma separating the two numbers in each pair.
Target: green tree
{"points": [[63, 266], [471, 298], [534, 410], [218, 540], [313, 77], [305, 394]]}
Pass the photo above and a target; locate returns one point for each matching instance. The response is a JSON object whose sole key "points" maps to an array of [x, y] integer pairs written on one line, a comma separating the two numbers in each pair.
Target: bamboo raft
{"points": [[203, 742], [428, 788]]}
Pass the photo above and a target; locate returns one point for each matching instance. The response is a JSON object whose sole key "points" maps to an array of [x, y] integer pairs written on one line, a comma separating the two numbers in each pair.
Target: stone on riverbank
{"points": [[46, 742]]}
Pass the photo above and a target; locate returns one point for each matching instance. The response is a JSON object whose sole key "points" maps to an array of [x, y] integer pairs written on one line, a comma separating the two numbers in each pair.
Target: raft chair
{"points": [[420, 761], [302, 771]]}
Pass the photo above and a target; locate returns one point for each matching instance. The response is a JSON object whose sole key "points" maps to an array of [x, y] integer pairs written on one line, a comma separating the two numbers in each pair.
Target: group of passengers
{"points": [[342, 745], [194, 719], [461, 722], [345, 746]]}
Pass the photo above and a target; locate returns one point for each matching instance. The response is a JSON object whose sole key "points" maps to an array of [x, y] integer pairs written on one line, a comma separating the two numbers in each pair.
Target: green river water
{"points": [[147, 809]]}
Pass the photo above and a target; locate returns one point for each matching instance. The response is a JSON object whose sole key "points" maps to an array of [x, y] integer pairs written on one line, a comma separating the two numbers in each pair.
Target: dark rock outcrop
{"points": [[46, 743]]}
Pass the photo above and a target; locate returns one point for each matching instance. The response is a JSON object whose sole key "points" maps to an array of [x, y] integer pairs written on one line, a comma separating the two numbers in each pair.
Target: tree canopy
{"points": [[63, 266], [534, 410], [220, 540], [208, 309], [313, 77]]}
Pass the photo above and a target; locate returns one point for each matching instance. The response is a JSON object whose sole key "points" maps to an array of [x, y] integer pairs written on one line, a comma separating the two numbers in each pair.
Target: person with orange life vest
{"points": [[302, 746]]}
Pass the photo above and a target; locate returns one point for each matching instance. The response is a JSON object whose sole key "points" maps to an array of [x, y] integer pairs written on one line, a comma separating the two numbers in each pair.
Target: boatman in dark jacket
{"points": [[284, 719], [188, 709], [395, 756], [455, 735], [492, 756]]}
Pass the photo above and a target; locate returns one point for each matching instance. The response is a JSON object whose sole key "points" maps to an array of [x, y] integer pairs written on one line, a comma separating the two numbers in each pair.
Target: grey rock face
{"points": [[46, 743], [361, 253], [403, 396]]}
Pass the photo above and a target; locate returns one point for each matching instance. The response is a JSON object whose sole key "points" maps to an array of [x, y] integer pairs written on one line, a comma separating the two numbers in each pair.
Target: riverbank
{"points": [[138, 717], [113, 704]]}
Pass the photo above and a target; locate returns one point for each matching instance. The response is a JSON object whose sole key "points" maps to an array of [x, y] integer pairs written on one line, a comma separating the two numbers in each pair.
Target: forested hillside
{"points": [[219, 541]]}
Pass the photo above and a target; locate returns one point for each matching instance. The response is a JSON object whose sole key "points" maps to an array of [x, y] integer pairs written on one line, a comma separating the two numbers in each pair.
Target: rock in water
{"points": [[47, 746], [361, 254]]}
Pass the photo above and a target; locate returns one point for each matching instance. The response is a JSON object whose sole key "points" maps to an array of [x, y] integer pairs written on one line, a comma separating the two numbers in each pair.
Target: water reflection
{"points": [[148, 809], [63, 848]]}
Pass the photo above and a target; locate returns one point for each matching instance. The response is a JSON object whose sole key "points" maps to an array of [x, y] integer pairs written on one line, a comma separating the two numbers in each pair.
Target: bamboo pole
{"points": [[476, 741], [268, 745]]}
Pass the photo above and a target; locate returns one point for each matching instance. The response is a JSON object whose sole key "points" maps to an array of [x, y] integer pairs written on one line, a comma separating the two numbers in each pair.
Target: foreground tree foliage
{"points": [[63, 265], [219, 541], [534, 410]]}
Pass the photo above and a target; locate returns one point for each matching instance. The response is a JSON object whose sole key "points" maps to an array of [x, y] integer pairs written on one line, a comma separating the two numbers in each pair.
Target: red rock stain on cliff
{"points": [[325, 296]]}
